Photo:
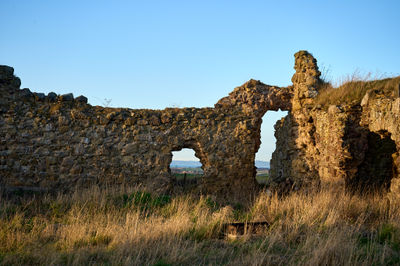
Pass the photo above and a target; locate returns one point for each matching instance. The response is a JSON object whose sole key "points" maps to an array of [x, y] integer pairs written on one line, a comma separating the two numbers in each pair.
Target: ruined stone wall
{"points": [[293, 162], [57, 142], [382, 115], [346, 145]]}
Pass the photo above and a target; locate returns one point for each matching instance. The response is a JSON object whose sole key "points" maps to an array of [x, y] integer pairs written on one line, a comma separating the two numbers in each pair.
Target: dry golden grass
{"points": [[126, 227], [352, 89]]}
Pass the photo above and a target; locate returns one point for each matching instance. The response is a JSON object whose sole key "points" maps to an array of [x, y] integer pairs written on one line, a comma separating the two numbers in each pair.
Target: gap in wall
{"points": [[186, 168], [268, 144]]}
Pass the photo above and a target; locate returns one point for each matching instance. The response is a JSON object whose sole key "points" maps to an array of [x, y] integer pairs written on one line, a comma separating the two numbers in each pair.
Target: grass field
{"points": [[180, 176], [261, 178], [127, 227]]}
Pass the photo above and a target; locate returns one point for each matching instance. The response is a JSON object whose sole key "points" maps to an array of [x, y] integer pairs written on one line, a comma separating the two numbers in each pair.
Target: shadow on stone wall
{"points": [[377, 169]]}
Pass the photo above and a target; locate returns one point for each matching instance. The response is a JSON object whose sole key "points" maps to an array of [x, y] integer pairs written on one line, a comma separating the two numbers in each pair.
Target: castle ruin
{"points": [[55, 141]]}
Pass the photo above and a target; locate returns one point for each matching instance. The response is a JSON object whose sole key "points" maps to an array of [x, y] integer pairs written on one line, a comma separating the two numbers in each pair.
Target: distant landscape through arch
{"points": [[268, 144], [186, 168]]}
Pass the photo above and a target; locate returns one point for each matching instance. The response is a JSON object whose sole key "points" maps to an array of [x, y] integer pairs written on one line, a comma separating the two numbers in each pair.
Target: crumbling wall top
{"points": [[255, 98], [305, 80]]}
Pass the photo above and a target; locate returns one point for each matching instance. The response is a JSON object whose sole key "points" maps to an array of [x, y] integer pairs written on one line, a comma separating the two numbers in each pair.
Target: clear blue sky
{"points": [[155, 54]]}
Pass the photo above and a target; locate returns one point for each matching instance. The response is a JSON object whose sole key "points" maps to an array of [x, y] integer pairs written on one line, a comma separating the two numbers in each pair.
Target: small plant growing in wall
{"points": [[106, 102]]}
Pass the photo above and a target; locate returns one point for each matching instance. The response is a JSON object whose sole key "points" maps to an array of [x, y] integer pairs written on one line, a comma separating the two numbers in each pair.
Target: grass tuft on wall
{"points": [[352, 89]]}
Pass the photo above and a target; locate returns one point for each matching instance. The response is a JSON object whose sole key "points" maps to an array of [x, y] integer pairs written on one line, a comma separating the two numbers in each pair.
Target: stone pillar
{"points": [[293, 162], [305, 80]]}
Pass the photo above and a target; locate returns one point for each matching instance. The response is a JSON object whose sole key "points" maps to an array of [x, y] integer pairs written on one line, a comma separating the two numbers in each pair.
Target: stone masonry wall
{"points": [[57, 142], [347, 145], [382, 115]]}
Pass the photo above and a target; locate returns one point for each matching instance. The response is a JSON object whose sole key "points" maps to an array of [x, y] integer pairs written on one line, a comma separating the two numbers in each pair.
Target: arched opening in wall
{"points": [[377, 169], [186, 168], [268, 145]]}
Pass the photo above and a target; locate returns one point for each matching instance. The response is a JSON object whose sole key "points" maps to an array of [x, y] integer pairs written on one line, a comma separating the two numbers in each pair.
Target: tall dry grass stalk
{"points": [[127, 227]]}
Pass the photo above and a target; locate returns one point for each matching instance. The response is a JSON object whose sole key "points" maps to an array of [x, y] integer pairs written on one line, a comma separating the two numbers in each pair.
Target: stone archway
{"points": [[185, 168], [196, 147]]}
